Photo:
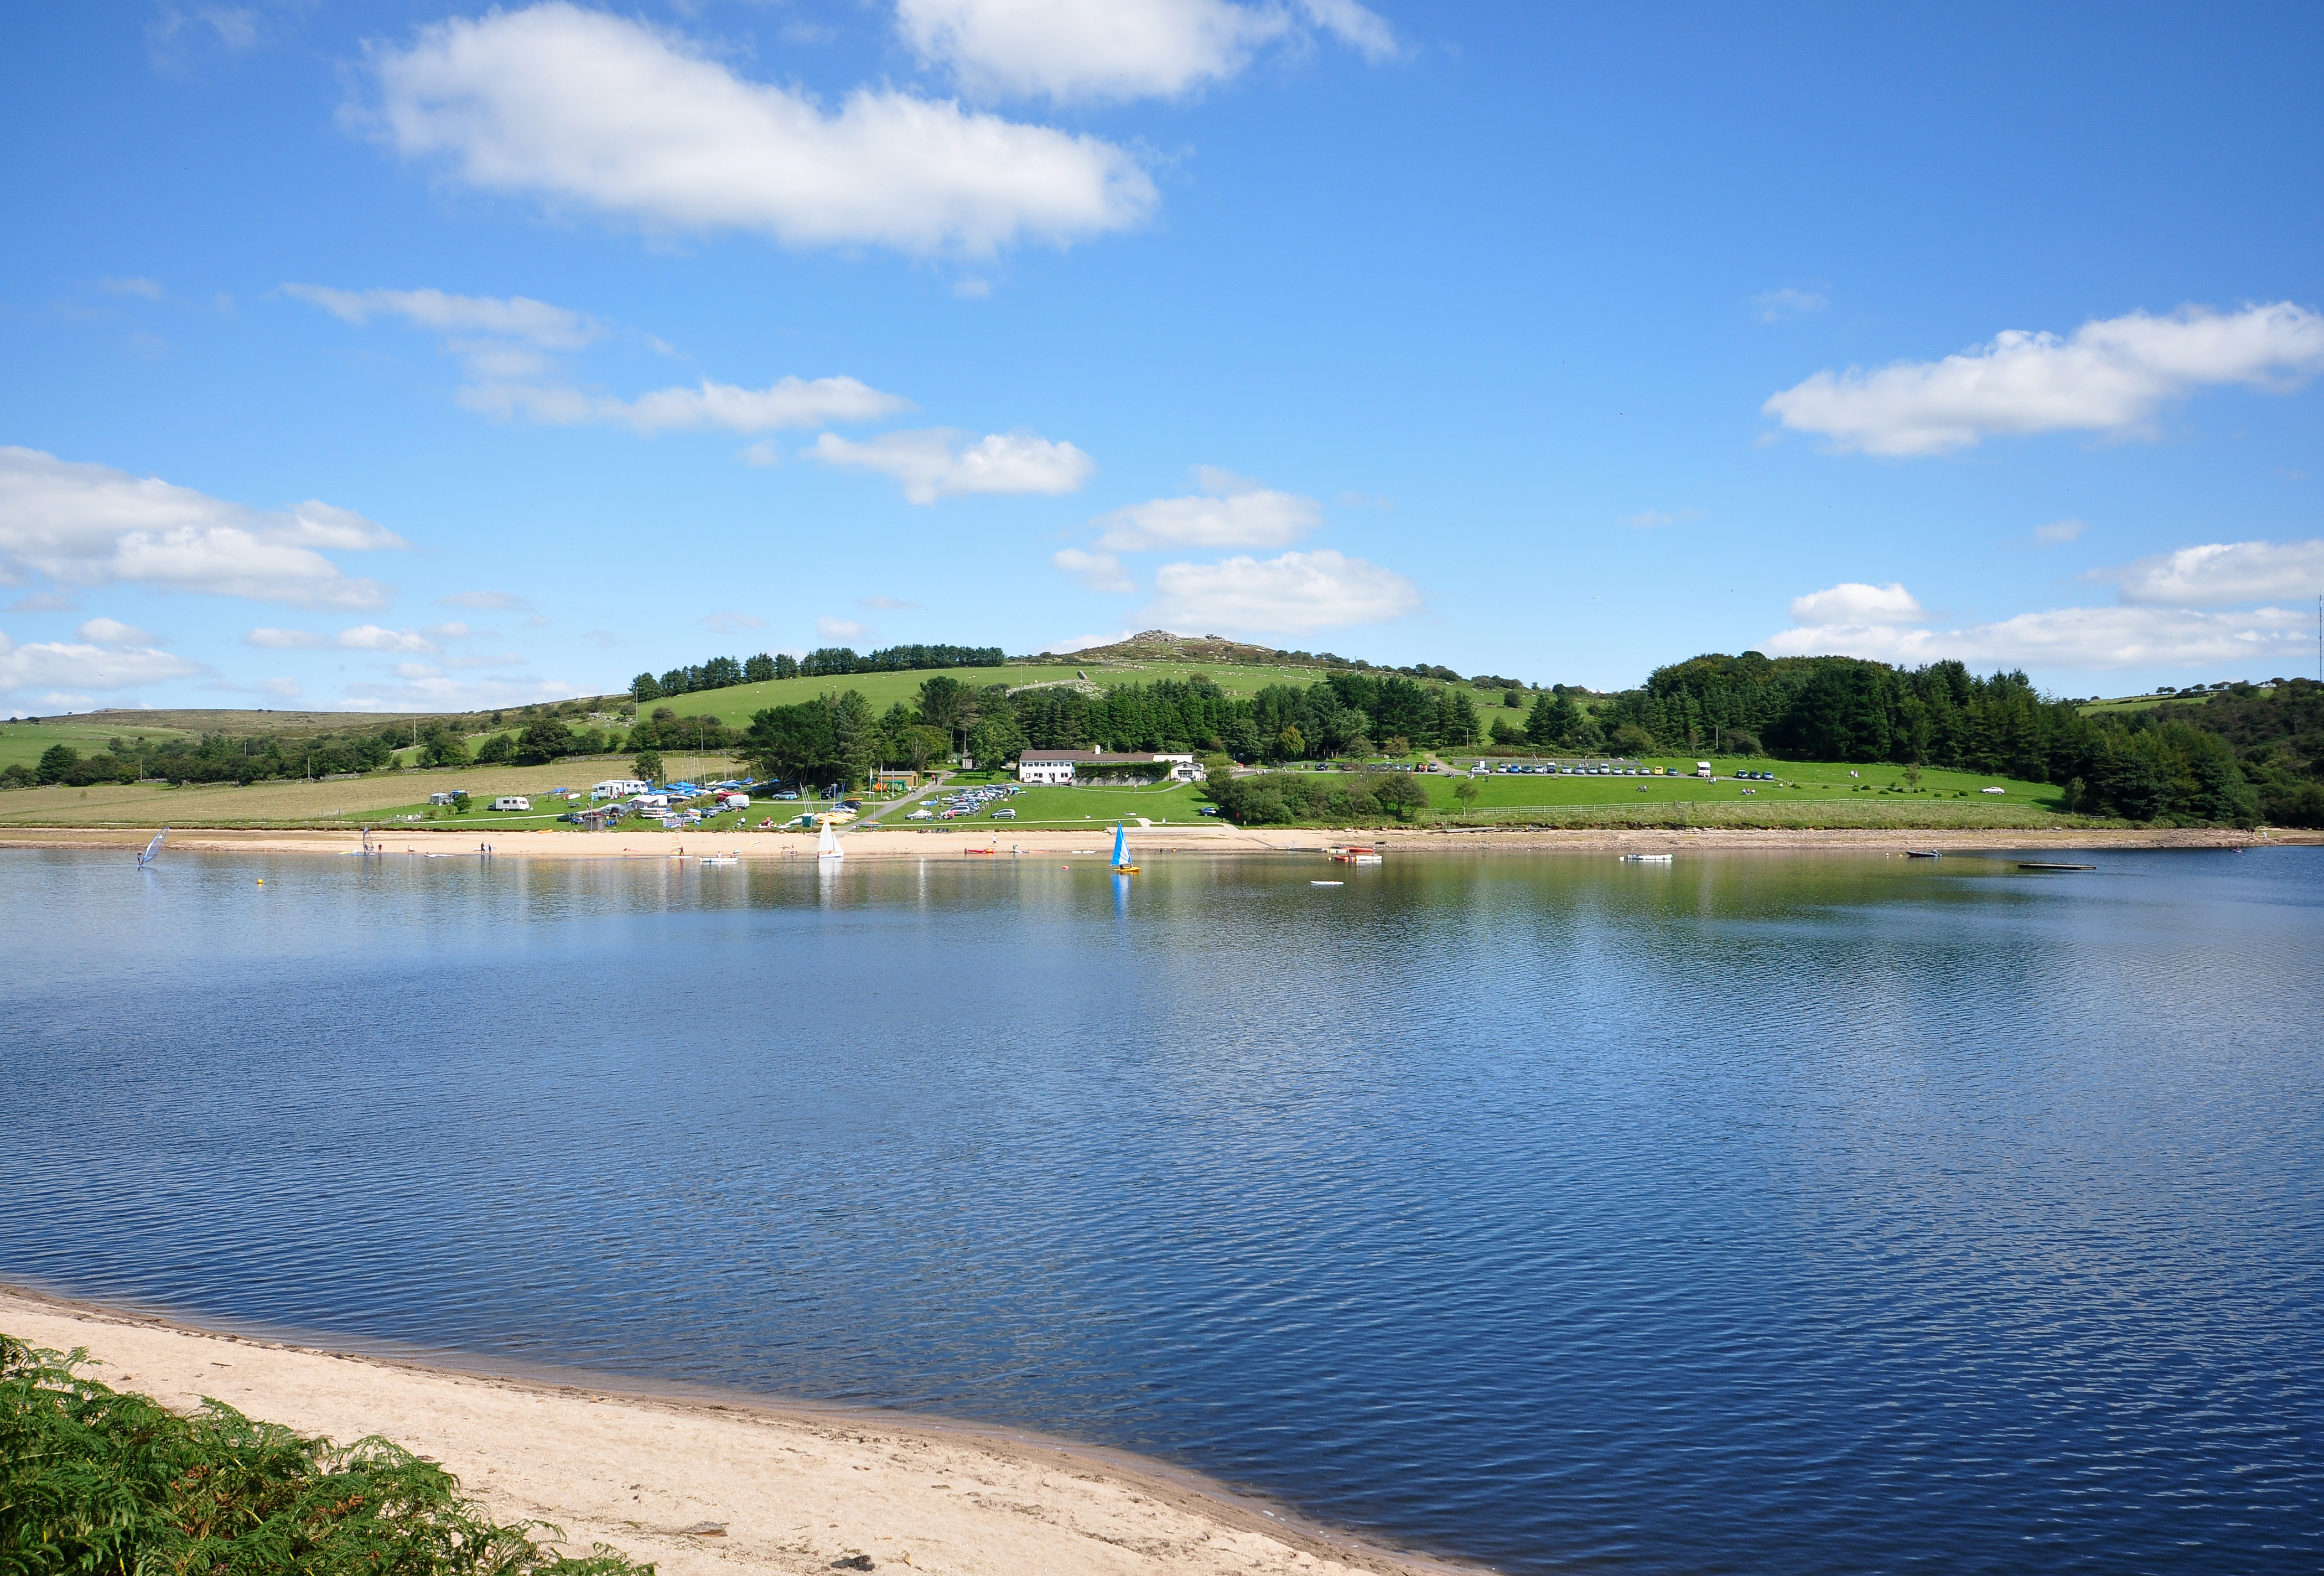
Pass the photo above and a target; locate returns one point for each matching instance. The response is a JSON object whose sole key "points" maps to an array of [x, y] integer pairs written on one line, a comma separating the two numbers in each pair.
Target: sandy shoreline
{"points": [[793, 1488], [1149, 842]]}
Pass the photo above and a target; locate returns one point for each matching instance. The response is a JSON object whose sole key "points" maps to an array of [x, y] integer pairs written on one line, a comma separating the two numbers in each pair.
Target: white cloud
{"points": [[90, 525], [47, 664], [973, 289], [516, 318], [147, 288], [511, 374], [421, 693], [2058, 532], [280, 689], [484, 601], [108, 631], [2080, 639], [1775, 305], [1292, 595], [790, 401], [42, 601], [2220, 572], [929, 467], [886, 604], [1098, 571], [726, 621], [1247, 516], [362, 638], [1854, 603], [763, 452], [2112, 377], [581, 108], [840, 629], [1122, 48]]}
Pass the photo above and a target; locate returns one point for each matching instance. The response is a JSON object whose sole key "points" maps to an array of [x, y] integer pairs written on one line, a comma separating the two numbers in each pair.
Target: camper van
{"points": [[1703, 768], [511, 802]]}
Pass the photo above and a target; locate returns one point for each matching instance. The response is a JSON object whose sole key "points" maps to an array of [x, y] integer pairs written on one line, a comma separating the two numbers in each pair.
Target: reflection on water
{"points": [[1802, 1213]]}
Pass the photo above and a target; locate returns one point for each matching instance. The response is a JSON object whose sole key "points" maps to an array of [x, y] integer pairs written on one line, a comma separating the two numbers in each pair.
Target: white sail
{"points": [[1121, 845], [827, 845], [153, 847]]}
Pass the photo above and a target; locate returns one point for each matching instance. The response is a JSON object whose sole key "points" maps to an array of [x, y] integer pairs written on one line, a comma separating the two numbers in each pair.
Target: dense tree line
{"points": [[828, 661]]}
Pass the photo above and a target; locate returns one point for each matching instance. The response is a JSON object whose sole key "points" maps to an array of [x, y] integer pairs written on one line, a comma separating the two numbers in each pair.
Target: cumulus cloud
{"points": [[423, 690], [45, 665], [280, 689], [790, 402], [1855, 604], [1290, 594], [840, 629], [1122, 48], [110, 632], [2058, 532], [517, 317], [585, 108], [929, 467], [2219, 574], [44, 601], [1237, 512], [510, 371], [2077, 639], [90, 525], [2112, 376], [362, 638], [1098, 571]]}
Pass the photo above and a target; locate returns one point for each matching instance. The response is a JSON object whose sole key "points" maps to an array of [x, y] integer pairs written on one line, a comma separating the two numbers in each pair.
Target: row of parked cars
{"points": [[971, 801]]}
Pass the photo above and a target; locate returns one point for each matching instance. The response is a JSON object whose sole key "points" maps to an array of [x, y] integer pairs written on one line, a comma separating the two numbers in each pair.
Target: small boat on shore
{"points": [[1356, 854], [1921, 853]]}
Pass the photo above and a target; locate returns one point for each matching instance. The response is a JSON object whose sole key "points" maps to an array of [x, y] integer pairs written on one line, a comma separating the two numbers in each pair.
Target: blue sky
{"points": [[402, 356]]}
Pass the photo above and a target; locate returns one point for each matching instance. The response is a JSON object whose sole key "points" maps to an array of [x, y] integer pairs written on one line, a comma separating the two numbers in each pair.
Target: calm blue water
{"points": [[1803, 1213]]}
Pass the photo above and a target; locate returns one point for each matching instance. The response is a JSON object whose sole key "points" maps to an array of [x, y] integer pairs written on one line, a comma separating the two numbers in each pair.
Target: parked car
{"points": [[1004, 815]]}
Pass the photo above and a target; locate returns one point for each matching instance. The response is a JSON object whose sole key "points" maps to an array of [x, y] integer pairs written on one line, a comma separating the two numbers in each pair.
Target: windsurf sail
{"points": [[153, 847]]}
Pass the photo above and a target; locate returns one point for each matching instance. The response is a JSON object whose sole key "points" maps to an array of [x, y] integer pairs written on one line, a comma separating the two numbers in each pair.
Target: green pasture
{"points": [[1071, 807], [1797, 782], [2142, 702], [23, 743], [734, 706]]}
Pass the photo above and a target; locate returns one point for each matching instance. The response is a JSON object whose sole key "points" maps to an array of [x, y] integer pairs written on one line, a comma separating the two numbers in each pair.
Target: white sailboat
{"points": [[827, 845], [1121, 865]]}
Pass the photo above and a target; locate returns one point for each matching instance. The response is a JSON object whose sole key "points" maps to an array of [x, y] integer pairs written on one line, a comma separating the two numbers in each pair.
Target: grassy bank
{"points": [[93, 1480]]}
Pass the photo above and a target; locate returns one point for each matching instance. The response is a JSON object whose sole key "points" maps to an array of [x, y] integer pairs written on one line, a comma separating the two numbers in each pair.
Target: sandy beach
{"points": [[784, 1490], [1145, 841]]}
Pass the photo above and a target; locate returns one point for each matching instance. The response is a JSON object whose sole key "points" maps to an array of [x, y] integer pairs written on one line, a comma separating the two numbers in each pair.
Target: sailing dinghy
{"points": [[1121, 865]]}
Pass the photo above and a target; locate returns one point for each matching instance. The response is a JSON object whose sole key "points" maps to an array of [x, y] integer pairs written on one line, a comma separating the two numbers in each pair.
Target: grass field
{"points": [[735, 706], [22, 743], [1797, 782], [1804, 793], [2142, 702]]}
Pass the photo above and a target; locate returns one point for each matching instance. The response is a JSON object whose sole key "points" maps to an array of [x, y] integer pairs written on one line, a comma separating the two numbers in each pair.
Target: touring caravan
{"points": [[511, 802]]}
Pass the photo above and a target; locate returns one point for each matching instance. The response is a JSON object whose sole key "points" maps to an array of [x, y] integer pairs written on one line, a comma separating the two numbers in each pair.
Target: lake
{"points": [[1787, 1211]]}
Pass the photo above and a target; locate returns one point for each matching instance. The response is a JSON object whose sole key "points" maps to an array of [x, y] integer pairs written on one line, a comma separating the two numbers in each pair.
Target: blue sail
{"points": [[1121, 844]]}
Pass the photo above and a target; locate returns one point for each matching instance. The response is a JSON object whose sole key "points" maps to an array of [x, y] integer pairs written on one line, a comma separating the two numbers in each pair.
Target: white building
{"points": [[1063, 766]]}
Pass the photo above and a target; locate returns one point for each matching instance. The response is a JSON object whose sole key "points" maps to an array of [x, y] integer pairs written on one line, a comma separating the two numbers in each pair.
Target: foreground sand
{"points": [[1006, 843], [792, 1490]]}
